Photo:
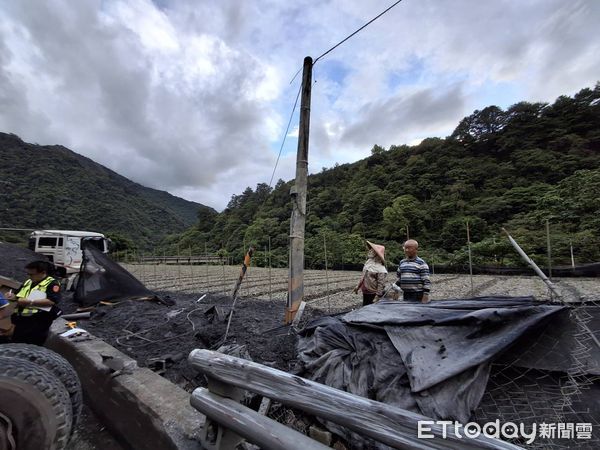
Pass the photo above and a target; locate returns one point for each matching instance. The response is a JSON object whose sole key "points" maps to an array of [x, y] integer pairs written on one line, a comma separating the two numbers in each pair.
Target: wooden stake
{"points": [[270, 279], [326, 273], [572, 258], [470, 260], [549, 249], [206, 264]]}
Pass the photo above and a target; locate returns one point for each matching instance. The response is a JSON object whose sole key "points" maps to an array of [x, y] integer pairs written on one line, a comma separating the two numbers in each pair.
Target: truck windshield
{"points": [[98, 243]]}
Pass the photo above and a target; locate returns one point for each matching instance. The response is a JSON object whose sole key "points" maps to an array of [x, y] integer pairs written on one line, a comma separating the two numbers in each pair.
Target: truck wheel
{"points": [[35, 411], [56, 364]]}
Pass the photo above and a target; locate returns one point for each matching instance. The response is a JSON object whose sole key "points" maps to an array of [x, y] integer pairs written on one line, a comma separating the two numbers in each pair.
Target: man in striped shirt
{"points": [[413, 274]]}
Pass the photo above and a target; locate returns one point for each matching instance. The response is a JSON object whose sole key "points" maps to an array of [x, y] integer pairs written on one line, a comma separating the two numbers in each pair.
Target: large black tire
{"points": [[36, 403], [56, 364]]}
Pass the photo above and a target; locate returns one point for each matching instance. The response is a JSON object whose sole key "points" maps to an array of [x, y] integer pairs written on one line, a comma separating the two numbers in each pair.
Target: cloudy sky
{"points": [[194, 97]]}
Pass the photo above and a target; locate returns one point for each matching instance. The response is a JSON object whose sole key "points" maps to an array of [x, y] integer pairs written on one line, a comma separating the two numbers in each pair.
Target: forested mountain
{"points": [[515, 168], [53, 187]]}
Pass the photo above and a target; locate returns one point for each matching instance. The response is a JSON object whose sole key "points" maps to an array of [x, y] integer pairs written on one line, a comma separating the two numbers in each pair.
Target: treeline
{"points": [[513, 168]]}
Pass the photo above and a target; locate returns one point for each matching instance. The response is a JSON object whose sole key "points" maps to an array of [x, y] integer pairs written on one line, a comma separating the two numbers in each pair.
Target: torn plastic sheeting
{"points": [[102, 279], [429, 358], [440, 341]]}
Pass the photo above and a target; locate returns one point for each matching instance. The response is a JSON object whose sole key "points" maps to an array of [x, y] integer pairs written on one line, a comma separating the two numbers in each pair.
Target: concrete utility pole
{"points": [[298, 193]]}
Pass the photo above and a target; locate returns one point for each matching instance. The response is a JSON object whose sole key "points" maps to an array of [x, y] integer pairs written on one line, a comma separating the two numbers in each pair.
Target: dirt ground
{"points": [[90, 434], [150, 332], [161, 337]]}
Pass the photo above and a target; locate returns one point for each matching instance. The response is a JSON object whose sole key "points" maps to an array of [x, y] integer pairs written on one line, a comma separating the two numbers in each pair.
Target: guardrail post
{"points": [[214, 436]]}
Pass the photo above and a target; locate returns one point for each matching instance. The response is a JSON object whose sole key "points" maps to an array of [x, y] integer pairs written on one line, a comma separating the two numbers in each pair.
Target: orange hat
{"points": [[378, 249]]}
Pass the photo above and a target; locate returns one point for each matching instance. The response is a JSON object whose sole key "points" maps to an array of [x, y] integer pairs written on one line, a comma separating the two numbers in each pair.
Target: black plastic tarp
{"points": [[102, 279], [433, 359]]}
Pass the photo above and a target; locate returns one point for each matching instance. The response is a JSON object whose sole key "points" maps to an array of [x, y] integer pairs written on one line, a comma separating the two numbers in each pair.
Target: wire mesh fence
{"points": [[551, 384]]}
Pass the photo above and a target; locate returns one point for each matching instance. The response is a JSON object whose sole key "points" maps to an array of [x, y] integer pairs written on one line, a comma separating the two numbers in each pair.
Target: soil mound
{"points": [[13, 260], [151, 332]]}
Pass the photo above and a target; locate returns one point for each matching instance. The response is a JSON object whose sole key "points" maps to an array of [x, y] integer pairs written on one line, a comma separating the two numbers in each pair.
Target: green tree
{"points": [[405, 211]]}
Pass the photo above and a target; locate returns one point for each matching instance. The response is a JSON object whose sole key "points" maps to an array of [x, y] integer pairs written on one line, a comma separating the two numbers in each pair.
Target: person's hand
{"points": [[425, 298], [23, 302], [355, 290]]}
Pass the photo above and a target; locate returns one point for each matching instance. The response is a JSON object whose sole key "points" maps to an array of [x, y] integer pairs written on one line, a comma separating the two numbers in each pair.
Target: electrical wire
{"points": [[285, 134], [360, 29]]}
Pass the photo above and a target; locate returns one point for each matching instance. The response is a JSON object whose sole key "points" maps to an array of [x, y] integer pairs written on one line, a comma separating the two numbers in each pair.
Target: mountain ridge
{"points": [[51, 186]]}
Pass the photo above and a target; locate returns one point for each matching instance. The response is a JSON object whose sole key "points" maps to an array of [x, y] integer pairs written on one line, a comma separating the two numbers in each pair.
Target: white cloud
{"points": [[193, 97]]}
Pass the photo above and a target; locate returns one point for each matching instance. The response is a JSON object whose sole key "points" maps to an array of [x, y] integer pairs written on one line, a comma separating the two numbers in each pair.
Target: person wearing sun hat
{"points": [[374, 273]]}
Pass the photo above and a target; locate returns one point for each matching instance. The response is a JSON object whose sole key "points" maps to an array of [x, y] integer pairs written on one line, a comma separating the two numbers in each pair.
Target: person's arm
{"points": [[360, 283], [52, 298], [424, 273], [380, 284]]}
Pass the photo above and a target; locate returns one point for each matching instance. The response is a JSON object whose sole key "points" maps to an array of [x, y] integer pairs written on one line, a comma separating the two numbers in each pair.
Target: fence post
{"points": [[206, 264], [178, 267], [270, 282], [549, 249], [191, 266], [470, 260], [572, 258], [326, 273]]}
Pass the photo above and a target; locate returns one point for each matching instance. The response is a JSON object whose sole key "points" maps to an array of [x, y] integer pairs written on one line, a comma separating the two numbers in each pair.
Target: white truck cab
{"points": [[63, 247]]}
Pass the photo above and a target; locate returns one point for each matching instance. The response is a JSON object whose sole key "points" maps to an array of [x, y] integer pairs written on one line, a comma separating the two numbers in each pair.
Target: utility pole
{"points": [[298, 193]]}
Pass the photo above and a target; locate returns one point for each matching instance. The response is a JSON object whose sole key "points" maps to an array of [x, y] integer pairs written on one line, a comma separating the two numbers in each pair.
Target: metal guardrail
{"points": [[229, 376]]}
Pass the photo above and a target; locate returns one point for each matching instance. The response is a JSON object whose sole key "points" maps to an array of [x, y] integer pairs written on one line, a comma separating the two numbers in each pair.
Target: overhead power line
{"points": [[360, 29], [315, 61], [285, 135], [348, 37]]}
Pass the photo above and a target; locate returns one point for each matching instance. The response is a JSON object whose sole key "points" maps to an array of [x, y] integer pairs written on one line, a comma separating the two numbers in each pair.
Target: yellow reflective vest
{"points": [[26, 290]]}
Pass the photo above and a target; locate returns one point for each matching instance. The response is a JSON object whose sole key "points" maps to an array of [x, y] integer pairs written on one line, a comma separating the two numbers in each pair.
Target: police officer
{"points": [[35, 311]]}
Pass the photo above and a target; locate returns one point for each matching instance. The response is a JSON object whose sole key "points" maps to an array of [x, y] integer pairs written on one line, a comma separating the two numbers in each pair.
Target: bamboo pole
{"points": [[532, 264]]}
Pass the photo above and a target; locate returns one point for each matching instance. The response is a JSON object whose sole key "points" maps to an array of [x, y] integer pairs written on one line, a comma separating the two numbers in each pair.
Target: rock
{"points": [[319, 434]]}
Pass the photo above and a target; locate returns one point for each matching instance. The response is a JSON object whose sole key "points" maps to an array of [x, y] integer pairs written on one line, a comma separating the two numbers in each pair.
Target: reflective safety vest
{"points": [[26, 290]]}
